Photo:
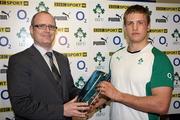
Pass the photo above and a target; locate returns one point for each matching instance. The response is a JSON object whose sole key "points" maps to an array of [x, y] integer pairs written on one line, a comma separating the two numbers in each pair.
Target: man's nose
{"points": [[135, 26], [47, 29]]}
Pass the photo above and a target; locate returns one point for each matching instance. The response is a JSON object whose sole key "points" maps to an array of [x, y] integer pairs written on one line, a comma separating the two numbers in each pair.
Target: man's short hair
{"points": [[137, 9]]}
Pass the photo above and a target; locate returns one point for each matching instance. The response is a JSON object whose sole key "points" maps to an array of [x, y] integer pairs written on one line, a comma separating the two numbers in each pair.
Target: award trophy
{"points": [[88, 92]]}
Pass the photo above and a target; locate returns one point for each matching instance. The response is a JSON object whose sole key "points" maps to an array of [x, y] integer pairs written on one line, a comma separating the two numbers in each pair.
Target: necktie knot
{"points": [[49, 54]]}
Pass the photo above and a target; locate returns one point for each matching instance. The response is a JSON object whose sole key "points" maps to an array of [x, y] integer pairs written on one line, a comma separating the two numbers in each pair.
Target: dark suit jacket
{"points": [[33, 92]]}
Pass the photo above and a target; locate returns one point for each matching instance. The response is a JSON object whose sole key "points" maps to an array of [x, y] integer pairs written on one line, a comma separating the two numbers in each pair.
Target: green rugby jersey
{"points": [[136, 74]]}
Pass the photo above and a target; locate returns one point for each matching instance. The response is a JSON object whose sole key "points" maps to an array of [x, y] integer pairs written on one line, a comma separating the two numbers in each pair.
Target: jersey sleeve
{"points": [[162, 71]]}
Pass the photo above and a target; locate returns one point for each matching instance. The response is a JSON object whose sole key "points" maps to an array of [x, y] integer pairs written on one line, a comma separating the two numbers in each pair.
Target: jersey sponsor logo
{"points": [[169, 75]]}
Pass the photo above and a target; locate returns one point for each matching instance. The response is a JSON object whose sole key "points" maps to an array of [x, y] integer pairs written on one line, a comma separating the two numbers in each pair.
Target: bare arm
{"points": [[157, 103]]}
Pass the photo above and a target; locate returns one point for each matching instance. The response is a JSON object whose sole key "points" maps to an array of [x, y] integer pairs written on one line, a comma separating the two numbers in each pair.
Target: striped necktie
{"points": [[53, 67]]}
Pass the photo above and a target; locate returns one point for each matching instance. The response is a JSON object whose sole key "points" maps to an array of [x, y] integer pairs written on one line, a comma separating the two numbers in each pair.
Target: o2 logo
{"points": [[4, 41], [163, 41], [176, 18], [117, 41], [176, 61], [22, 15], [176, 104], [63, 40], [81, 16], [81, 65], [4, 94]]}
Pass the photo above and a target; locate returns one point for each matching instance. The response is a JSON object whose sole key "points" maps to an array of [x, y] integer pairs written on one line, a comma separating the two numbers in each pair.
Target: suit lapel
{"points": [[39, 60], [61, 66]]}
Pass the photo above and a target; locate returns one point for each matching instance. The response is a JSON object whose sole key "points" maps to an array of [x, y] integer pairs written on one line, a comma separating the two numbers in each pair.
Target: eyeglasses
{"points": [[44, 27]]}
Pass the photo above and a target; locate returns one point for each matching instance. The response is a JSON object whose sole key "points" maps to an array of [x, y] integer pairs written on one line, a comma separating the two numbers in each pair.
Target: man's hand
{"points": [[107, 89], [75, 109]]}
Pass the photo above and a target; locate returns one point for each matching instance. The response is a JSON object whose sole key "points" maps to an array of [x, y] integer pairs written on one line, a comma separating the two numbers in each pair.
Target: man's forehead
{"points": [[136, 20]]}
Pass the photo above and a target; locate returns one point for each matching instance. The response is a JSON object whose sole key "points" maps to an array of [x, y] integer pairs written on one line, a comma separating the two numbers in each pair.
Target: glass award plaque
{"points": [[88, 92]]}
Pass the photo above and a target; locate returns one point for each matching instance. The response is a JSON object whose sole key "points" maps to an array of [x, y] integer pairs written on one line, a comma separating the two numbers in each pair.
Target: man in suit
{"points": [[34, 92]]}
